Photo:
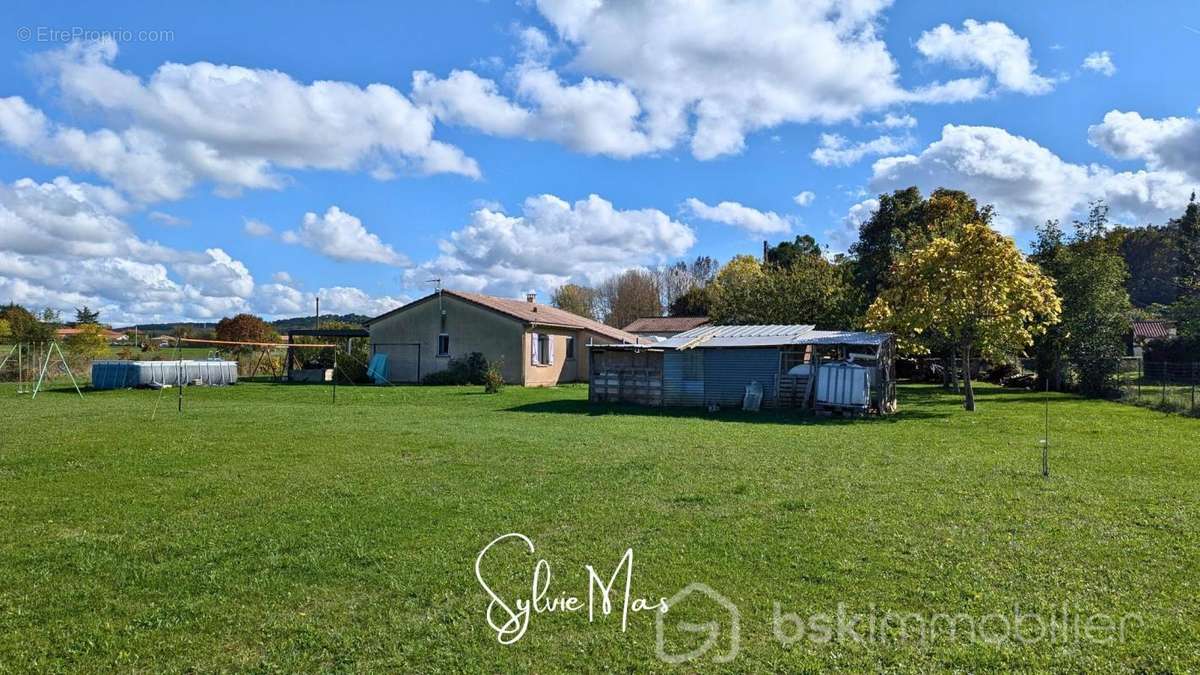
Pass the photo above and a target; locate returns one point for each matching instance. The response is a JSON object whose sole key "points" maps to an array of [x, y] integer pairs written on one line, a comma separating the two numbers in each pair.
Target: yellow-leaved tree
{"points": [[974, 289]]}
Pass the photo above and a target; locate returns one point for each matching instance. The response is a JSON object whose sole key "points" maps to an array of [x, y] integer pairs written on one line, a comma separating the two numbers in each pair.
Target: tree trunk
{"points": [[968, 390]]}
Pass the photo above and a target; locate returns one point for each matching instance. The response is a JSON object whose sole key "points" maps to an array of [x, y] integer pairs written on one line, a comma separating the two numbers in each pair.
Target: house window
{"points": [[443, 345], [541, 348], [570, 348]]}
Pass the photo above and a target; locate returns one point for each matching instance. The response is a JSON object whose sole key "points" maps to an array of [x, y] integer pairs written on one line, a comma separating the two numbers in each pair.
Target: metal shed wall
{"points": [[683, 378], [728, 371]]}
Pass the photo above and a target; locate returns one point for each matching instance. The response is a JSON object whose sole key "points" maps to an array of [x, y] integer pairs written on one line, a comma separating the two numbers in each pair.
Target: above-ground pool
{"points": [[122, 374]]}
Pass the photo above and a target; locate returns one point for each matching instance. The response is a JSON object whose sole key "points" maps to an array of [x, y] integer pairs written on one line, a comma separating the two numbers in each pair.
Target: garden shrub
{"points": [[469, 370], [493, 379]]}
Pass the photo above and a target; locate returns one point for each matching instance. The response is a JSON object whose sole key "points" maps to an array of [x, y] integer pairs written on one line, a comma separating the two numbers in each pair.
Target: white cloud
{"points": [[230, 125], [1027, 182], [343, 237], [349, 300], [744, 217], [282, 299], [553, 242], [1171, 143], [1100, 62], [163, 218], [841, 238], [593, 116], [836, 150], [992, 46], [256, 228], [659, 72], [894, 121], [62, 245], [281, 277], [804, 198]]}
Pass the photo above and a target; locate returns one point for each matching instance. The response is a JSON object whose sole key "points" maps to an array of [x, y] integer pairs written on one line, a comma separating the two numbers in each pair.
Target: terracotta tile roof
{"points": [[1153, 330], [665, 324], [68, 332], [530, 313]]}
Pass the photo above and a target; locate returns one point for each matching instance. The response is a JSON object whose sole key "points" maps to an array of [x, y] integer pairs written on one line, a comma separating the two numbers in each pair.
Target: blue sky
{"points": [[129, 182]]}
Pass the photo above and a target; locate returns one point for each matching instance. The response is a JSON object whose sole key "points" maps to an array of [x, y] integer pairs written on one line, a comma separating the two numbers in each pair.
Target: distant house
{"points": [[109, 335], [664, 326], [1146, 331], [537, 344]]}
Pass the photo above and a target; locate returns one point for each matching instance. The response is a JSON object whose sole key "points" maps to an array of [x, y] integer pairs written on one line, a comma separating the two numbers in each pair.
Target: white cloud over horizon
{"points": [[551, 243], [1027, 183], [740, 216], [342, 237], [66, 246]]}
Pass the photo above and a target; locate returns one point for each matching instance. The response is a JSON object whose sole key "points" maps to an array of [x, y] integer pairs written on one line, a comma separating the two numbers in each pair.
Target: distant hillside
{"points": [[281, 325]]}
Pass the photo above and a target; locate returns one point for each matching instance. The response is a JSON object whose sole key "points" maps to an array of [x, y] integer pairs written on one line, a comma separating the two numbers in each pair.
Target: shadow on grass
{"points": [[577, 407]]}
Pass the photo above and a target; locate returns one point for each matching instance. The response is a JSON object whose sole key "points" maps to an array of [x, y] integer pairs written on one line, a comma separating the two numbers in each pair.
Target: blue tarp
{"points": [[378, 368]]}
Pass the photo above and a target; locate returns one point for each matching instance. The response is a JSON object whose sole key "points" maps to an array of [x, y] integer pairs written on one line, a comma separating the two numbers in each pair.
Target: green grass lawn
{"points": [[265, 529]]}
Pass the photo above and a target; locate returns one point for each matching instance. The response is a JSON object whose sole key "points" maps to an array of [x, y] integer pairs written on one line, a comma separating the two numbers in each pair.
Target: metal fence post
{"points": [[1139, 380], [1194, 377]]}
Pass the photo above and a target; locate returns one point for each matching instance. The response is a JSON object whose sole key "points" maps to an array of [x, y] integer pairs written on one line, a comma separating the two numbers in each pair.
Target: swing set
{"points": [[26, 353]]}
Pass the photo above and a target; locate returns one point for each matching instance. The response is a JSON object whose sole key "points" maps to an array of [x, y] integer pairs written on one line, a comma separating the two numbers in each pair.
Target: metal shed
{"points": [[712, 365]]}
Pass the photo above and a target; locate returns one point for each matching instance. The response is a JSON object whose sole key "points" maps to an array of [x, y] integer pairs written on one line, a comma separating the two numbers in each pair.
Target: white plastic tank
{"points": [[843, 384]]}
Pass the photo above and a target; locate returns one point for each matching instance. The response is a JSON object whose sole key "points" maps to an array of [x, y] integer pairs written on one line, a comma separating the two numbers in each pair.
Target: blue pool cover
{"points": [[123, 374]]}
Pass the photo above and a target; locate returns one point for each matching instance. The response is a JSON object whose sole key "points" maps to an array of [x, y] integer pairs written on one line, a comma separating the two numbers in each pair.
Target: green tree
{"points": [[84, 315], [1090, 274], [245, 328], [89, 343], [810, 290], [24, 326], [1151, 257], [787, 253], [692, 303], [974, 288], [575, 299], [5, 330], [904, 222], [1187, 229]]}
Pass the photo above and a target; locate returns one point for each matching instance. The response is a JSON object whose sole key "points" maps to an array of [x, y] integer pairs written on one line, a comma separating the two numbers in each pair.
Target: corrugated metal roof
{"points": [[713, 337], [842, 337], [1153, 330]]}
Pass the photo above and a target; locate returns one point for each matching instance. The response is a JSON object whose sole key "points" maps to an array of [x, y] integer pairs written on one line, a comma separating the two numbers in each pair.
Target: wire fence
{"points": [[1162, 384]]}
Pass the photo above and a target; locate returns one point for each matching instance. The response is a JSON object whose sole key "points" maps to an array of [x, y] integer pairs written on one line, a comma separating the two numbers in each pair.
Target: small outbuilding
{"points": [[796, 366]]}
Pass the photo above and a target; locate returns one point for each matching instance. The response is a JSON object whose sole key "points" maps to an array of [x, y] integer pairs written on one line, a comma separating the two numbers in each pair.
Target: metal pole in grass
{"points": [[1046, 439], [335, 373], [179, 368]]}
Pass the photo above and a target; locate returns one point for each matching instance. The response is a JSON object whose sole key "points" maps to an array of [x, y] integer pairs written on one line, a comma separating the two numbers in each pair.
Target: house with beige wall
{"points": [[537, 345]]}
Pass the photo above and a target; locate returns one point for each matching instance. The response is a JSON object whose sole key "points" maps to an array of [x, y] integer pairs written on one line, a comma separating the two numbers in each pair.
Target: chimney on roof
{"points": [[531, 297]]}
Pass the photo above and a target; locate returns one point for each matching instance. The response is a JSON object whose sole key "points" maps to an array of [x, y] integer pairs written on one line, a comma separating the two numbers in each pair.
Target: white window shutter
{"points": [[550, 349], [533, 348]]}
